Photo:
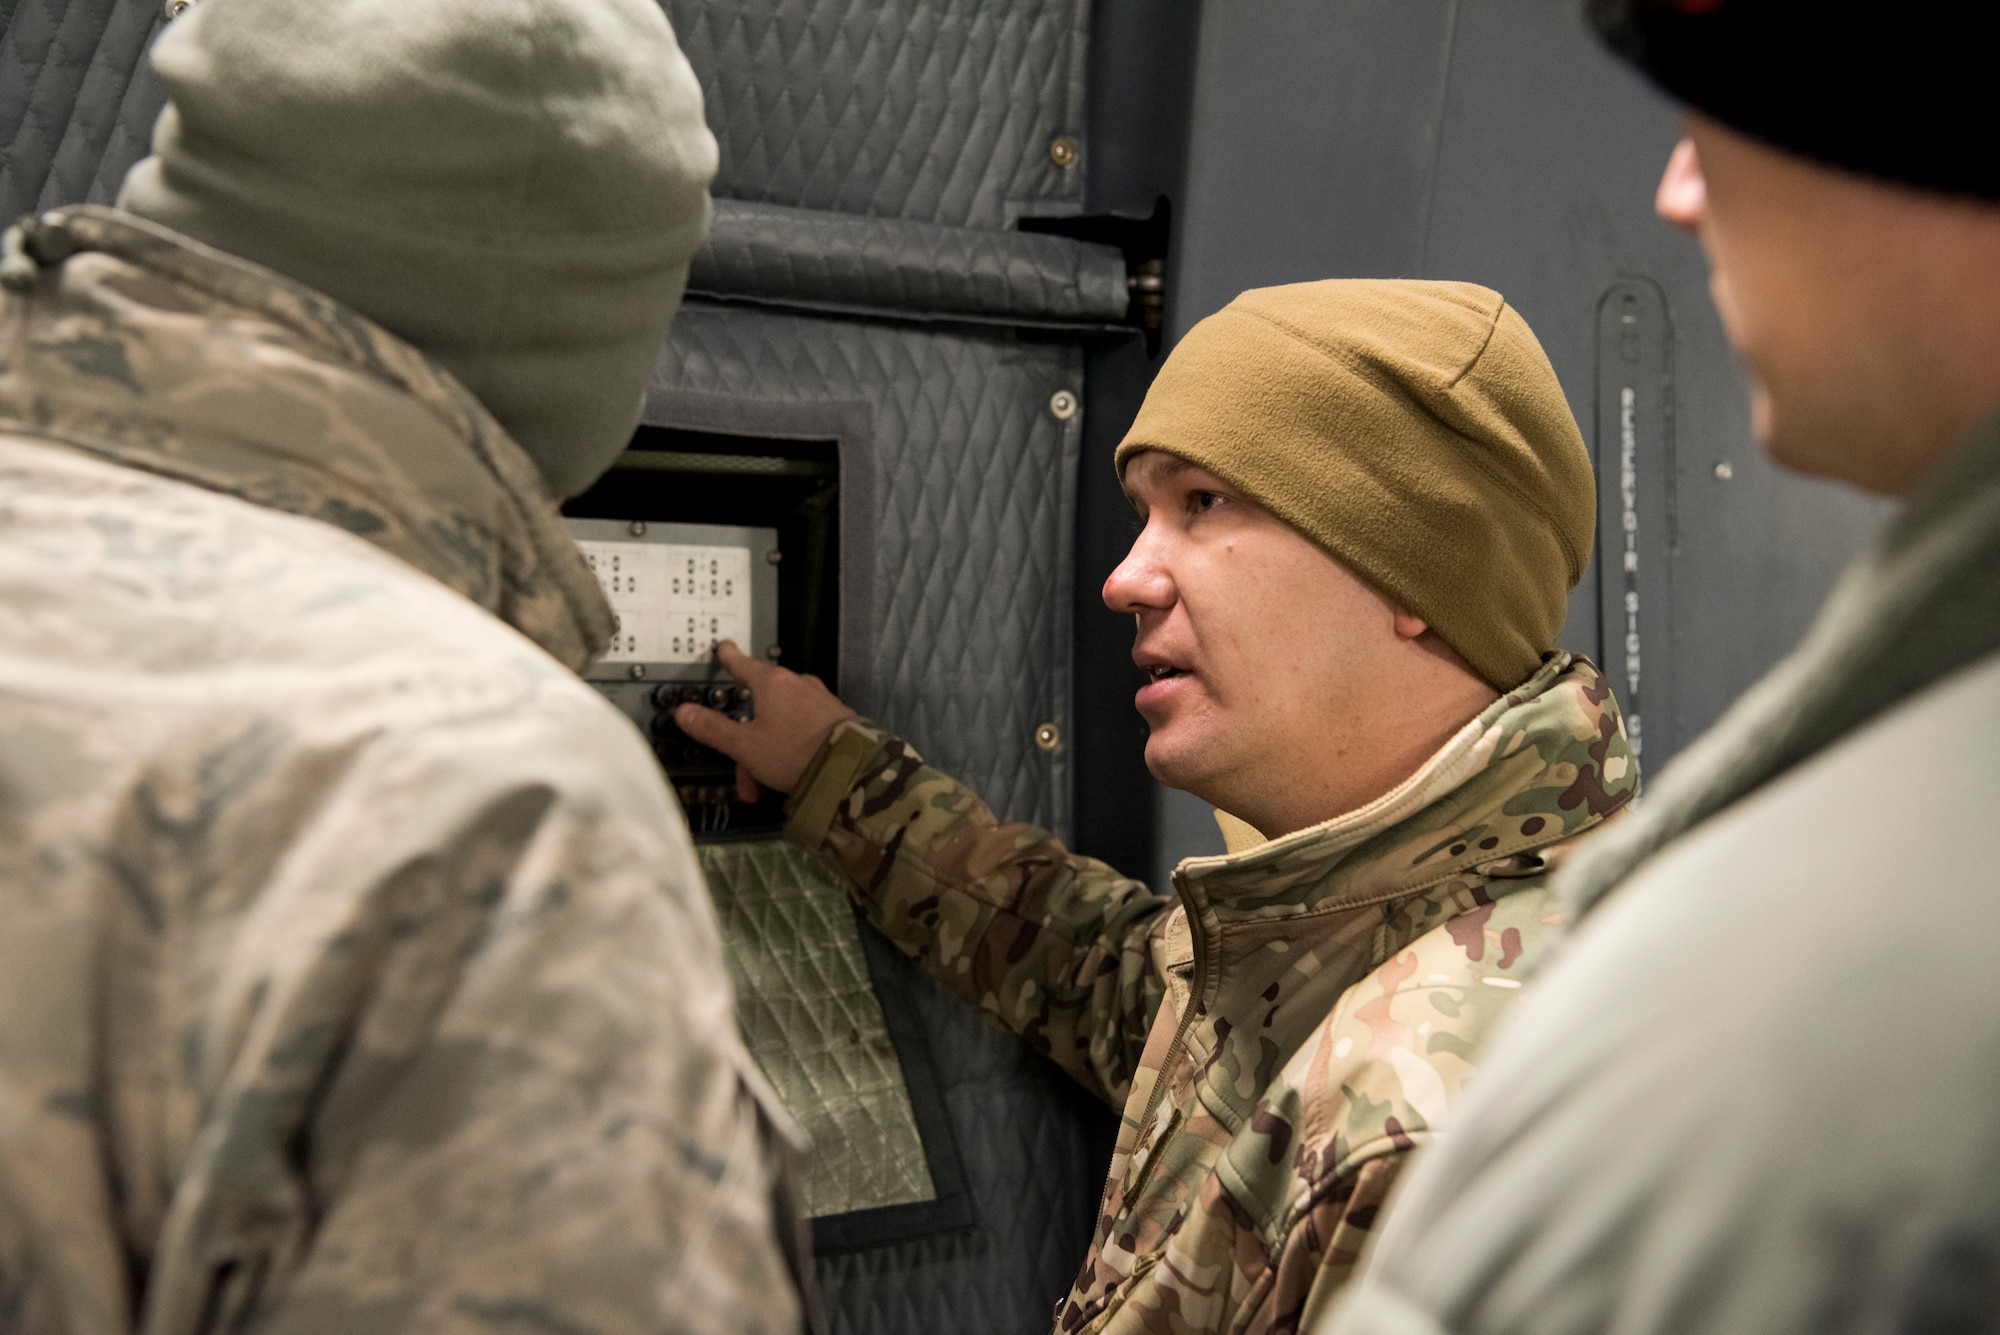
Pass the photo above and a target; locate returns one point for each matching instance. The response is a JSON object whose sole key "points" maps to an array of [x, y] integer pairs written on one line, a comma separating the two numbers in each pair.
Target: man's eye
{"points": [[1204, 500]]}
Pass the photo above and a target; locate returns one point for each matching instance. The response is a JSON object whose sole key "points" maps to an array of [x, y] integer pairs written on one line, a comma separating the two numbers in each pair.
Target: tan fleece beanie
{"points": [[1414, 430]]}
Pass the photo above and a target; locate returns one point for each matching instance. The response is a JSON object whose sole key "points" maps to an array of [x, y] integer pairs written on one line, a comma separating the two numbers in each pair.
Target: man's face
{"points": [[1262, 648], [1829, 285]]}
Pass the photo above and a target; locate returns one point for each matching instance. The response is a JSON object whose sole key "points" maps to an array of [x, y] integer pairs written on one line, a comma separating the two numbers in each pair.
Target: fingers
{"points": [[707, 726], [741, 665], [713, 728], [793, 716]]}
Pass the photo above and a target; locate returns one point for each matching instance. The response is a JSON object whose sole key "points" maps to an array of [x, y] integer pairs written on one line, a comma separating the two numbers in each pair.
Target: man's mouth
{"points": [[1161, 672]]}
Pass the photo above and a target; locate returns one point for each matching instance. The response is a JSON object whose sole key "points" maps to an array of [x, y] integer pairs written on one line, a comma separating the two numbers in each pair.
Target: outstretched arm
{"points": [[1059, 948]]}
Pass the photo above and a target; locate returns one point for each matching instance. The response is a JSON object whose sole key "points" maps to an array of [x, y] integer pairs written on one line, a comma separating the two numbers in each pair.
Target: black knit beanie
{"points": [[1904, 90]]}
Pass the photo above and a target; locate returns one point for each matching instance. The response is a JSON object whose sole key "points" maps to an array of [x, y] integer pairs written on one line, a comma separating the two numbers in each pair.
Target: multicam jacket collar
{"points": [[1486, 800], [139, 345]]}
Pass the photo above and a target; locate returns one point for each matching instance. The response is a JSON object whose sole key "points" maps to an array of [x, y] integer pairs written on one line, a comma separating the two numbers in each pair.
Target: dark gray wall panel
{"points": [[941, 110], [972, 518], [966, 652], [1315, 131], [1495, 142], [77, 100], [1547, 164], [1142, 57]]}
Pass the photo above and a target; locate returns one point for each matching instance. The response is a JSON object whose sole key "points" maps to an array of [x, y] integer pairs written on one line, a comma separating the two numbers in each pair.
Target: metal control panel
{"points": [[676, 590]]}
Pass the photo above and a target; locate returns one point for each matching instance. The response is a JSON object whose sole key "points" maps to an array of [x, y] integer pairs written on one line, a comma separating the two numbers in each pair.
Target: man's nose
{"points": [[1682, 198], [1141, 581]]}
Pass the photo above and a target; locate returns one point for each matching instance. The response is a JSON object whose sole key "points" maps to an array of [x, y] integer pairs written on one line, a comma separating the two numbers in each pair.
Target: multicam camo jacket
{"points": [[356, 972], [1283, 1036]]}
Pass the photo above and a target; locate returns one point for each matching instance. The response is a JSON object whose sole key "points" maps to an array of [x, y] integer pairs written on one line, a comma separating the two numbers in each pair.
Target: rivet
{"points": [[1062, 150], [1724, 471], [774, 556], [1063, 404], [773, 653], [1048, 737], [638, 529], [638, 671]]}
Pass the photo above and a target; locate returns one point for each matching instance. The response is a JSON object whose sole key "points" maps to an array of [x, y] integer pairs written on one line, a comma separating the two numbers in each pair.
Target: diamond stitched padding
{"points": [[77, 99], [973, 479], [942, 110], [973, 485], [809, 1016]]}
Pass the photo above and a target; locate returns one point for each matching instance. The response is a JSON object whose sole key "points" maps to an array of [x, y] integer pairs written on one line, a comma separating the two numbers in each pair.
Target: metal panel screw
{"points": [[1063, 404], [1723, 471], [1048, 737], [1062, 150], [638, 671], [638, 529]]}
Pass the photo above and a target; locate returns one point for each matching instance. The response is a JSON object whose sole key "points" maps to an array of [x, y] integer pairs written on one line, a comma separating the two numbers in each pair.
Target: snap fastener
{"points": [[1063, 404], [1062, 150], [1048, 737]]}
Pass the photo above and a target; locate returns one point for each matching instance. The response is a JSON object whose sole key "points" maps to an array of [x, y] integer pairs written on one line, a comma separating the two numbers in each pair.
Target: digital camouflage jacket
{"points": [[357, 974], [1282, 1037]]}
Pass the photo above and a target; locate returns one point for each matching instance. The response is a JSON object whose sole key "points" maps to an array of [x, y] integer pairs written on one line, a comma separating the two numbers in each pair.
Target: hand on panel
{"points": [[792, 717]]}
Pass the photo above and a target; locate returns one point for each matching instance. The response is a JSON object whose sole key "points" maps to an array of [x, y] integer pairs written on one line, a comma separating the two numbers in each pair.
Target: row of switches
{"points": [[721, 696]]}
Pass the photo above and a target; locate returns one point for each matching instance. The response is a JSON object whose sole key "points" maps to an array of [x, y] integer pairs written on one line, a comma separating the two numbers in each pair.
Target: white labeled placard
{"points": [[673, 601]]}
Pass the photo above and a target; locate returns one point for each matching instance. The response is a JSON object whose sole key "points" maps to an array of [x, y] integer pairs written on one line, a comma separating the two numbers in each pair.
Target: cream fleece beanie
{"points": [[1414, 430], [513, 186]]}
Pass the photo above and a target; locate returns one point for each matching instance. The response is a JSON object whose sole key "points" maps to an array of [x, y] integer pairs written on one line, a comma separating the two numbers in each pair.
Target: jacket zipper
{"points": [[1175, 1049]]}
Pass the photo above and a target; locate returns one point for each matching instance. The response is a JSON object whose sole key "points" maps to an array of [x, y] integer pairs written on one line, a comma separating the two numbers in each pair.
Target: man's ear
{"points": [[1409, 625]]}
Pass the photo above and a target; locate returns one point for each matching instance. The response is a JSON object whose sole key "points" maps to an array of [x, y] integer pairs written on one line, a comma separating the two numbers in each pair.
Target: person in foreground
{"points": [[357, 974], [1364, 504], [1757, 1090]]}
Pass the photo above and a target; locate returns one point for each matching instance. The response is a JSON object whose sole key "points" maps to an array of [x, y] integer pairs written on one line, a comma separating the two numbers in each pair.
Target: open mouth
{"points": [[1162, 673]]}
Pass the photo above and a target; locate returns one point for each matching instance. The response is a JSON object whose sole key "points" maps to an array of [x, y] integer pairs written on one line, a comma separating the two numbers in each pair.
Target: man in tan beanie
{"points": [[1364, 504], [357, 973]]}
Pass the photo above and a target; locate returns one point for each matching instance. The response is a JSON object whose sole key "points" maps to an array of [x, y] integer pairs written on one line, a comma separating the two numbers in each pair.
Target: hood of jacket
{"points": [[136, 344]]}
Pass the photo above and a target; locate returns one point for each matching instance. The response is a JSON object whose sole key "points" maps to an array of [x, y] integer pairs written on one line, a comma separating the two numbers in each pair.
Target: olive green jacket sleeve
{"points": [[1059, 948]]}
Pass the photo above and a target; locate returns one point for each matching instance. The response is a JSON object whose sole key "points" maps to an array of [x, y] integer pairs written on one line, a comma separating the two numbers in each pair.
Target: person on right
{"points": [[1757, 1088]]}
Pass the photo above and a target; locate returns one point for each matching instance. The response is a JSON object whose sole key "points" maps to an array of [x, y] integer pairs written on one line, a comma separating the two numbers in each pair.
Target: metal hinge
{"points": [[1148, 286]]}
